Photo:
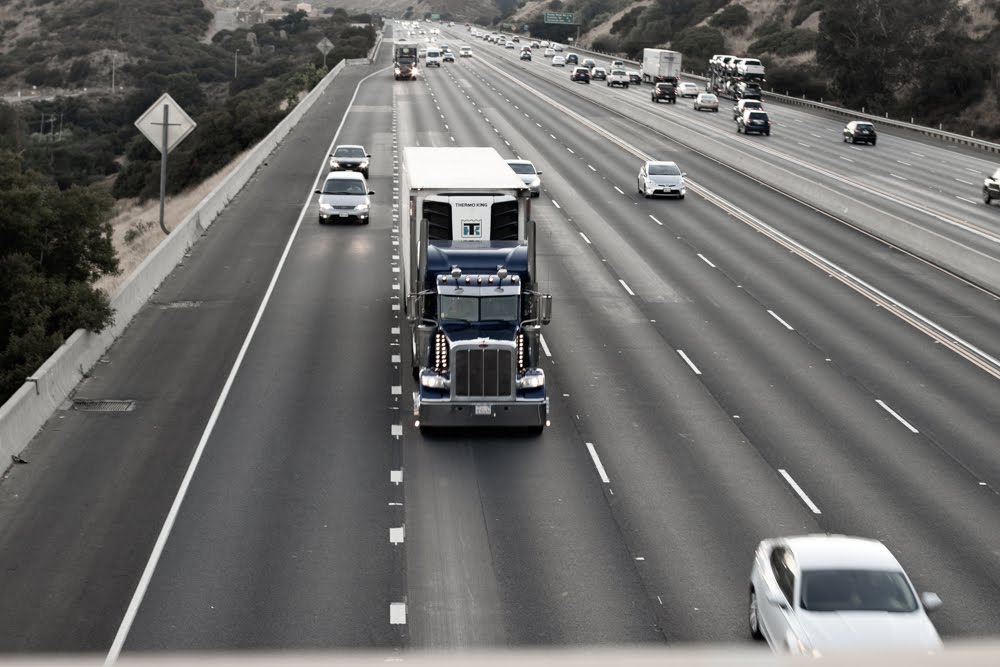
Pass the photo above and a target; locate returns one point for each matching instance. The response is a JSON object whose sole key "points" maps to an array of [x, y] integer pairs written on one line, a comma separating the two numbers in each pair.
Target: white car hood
{"points": [[838, 631], [666, 180]]}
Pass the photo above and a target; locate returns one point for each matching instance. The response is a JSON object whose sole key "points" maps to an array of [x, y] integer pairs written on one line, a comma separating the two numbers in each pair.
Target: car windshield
{"points": [[664, 170], [864, 127], [856, 590], [343, 187], [707, 97], [344, 151], [473, 309], [522, 167]]}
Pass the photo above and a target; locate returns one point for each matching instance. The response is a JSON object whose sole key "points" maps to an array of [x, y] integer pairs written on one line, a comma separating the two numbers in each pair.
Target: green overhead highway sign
{"points": [[555, 17]]}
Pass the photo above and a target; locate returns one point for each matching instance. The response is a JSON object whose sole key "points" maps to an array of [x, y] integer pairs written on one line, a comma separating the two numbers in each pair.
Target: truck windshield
{"points": [[478, 309]]}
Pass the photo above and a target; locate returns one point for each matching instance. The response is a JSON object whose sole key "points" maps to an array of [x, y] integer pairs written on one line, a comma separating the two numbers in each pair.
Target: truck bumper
{"points": [[513, 414]]}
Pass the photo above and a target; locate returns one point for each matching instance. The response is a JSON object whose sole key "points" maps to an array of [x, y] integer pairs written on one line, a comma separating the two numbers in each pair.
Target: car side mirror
{"points": [[367, 155], [684, 173], [371, 192], [538, 171], [931, 601], [319, 192]]}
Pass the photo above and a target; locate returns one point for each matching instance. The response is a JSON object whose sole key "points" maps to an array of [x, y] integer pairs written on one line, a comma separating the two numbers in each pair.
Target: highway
{"points": [[728, 367]]}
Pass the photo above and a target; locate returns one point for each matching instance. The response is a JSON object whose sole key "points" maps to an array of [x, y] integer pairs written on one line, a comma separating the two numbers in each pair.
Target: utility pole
{"points": [[236, 63]]}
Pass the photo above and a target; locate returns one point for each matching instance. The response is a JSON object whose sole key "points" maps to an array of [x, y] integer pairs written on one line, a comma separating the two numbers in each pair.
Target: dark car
{"points": [[860, 130], [525, 55], [991, 187], [754, 121], [572, 59], [664, 92], [580, 74], [589, 63], [598, 74], [350, 158], [748, 90], [634, 77]]}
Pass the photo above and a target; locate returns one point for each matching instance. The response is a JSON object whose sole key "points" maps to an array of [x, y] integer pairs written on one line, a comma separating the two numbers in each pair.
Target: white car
{"points": [[657, 177], [528, 174], [558, 61], [465, 52], [508, 45], [687, 89], [820, 594], [557, 47], [706, 101], [549, 53]]}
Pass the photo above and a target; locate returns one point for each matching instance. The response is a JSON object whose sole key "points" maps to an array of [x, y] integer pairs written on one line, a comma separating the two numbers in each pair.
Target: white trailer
{"points": [[660, 65]]}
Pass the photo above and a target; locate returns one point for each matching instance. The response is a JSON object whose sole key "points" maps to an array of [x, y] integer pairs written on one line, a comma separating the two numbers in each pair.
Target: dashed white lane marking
{"points": [[396, 359], [966, 182], [397, 613], [689, 362], [902, 178], [972, 171], [396, 476], [803, 145], [627, 288], [896, 415], [507, 142], [553, 136], [570, 150], [397, 431], [908, 164], [783, 322], [538, 124], [395, 330], [556, 203], [846, 158], [815, 135], [656, 221], [585, 238], [397, 390], [597, 463], [397, 535], [619, 190], [917, 154], [706, 260], [545, 346], [802, 494], [591, 168], [971, 201]]}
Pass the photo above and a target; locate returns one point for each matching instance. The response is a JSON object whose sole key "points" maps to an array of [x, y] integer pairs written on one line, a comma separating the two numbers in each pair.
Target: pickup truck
{"points": [[618, 77]]}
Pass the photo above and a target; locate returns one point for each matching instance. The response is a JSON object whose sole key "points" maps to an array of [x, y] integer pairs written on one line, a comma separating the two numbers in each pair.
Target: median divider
{"points": [[43, 393]]}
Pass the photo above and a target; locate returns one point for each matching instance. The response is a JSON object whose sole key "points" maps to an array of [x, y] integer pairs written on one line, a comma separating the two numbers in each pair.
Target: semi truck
{"points": [[660, 65], [404, 60], [470, 291]]}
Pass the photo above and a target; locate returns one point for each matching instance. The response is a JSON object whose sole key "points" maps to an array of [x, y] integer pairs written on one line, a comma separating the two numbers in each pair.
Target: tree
{"points": [[870, 48], [53, 244]]}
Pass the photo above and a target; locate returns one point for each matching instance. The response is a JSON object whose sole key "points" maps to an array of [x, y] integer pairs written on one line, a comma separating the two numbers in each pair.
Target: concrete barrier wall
{"points": [[45, 391]]}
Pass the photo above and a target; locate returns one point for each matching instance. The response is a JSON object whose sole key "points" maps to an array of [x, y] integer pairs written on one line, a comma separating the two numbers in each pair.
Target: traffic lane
{"points": [[509, 540], [77, 530], [592, 297], [283, 537]]}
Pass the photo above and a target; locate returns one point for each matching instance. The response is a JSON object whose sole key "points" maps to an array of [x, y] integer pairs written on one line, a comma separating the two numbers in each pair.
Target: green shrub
{"points": [[698, 44], [731, 18], [786, 42]]}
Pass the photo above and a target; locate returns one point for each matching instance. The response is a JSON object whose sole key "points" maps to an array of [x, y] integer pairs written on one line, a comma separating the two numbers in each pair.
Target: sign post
{"points": [[165, 130], [325, 46]]}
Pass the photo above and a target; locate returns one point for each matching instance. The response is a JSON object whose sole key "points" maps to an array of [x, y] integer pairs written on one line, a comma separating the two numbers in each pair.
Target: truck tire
{"points": [[987, 197], [626, 86]]}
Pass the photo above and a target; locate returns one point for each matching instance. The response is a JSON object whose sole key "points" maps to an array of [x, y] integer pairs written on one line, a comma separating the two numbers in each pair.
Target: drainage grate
{"points": [[103, 405]]}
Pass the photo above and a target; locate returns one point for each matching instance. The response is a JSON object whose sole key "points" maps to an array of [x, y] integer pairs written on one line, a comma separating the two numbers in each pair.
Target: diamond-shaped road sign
{"points": [[324, 45], [151, 122]]}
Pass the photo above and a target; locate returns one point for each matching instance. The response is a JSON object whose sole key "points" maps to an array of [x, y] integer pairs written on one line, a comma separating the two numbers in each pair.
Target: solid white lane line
{"points": [[556, 203], [706, 260], [154, 558], [585, 238], [783, 322], [802, 494], [597, 463], [545, 346], [627, 288], [896, 415], [656, 221], [689, 362], [591, 168], [619, 190]]}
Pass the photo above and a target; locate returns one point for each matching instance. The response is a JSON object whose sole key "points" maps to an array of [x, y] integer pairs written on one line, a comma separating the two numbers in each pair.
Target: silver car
{"points": [[528, 174], [661, 178], [820, 594], [344, 197]]}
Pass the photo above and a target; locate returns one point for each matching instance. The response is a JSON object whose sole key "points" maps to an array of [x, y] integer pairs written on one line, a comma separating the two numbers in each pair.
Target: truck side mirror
{"points": [[532, 336], [425, 337], [412, 308], [544, 308]]}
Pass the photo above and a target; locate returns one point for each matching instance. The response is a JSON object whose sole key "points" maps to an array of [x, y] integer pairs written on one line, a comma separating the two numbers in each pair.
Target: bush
{"points": [[786, 42], [797, 80], [698, 44], [731, 18]]}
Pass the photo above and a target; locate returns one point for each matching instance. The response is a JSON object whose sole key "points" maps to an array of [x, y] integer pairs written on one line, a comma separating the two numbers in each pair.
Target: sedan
{"points": [[634, 77], [706, 101], [860, 130], [819, 594], [549, 53], [599, 74], [580, 74], [350, 158], [509, 45], [528, 174], [661, 178], [687, 89], [558, 61]]}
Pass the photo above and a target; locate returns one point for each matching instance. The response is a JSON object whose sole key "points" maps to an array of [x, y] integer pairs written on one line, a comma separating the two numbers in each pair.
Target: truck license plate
{"points": [[484, 410]]}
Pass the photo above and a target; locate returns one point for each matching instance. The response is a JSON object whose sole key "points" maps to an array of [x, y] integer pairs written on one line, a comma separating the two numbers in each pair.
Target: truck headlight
{"points": [[434, 381], [533, 379]]}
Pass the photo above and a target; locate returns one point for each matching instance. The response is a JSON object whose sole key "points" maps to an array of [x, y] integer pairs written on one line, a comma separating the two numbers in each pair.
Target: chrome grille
{"points": [[482, 372]]}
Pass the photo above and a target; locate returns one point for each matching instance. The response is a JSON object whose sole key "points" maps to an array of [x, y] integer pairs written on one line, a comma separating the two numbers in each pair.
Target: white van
{"points": [[433, 58]]}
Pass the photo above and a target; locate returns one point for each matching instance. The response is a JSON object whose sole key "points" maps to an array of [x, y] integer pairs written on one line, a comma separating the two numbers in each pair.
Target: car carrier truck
{"points": [[404, 61], [660, 66], [470, 290]]}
